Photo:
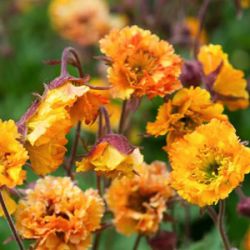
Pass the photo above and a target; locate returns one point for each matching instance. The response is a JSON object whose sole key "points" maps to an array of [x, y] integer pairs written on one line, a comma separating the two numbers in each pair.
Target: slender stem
{"points": [[107, 120], [97, 241], [123, 117], [220, 222], [137, 242], [67, 52], [240, 193], [100, 125], [11, 223], [201, 16], [99, 184], [212, 213], [187, 220], [73, 151], [84, 144]]}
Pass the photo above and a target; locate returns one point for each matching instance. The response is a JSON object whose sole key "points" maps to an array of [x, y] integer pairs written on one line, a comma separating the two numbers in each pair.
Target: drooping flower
{"points": [[49, 120], [229, 87], [208, 163], [112, 156], [138, 203], [141, 63], [12, 155], [59, 215], [83, 22], [188, 109]]}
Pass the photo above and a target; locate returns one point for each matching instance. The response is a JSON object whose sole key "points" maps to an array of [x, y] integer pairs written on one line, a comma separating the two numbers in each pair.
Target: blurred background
{"points": [[33, 32]]}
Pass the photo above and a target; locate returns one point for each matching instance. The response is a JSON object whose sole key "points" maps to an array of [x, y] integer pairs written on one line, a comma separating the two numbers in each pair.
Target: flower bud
{"points": [[243, 207]]}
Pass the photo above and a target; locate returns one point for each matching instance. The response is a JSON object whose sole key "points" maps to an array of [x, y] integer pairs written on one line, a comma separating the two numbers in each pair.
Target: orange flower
{"points": [[59, 215], [208, 163], [12, 155], [49, 120], [229, 86], [112, 156], [83, 22], [188, 109], [142, 64], [138, 203]]}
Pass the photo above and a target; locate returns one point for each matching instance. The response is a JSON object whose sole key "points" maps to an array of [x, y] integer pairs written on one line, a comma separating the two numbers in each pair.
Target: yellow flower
{"points": [[112, 156], [192, 25], [59, 215], [142, 64], [188, 109], [50, 120], [12, 155], [208, 163], [9, 202], [81, 21], [230, 85], [138, 203]]}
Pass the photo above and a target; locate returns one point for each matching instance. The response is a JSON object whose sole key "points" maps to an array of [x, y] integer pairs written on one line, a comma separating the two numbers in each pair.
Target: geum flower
{"points": [[140, 63], [188, 109], [227, 84], [12, 155], [45, 125], [208, 163], [138, 203], [59, 215], [83, 22], [12, 158], [112, 156]]}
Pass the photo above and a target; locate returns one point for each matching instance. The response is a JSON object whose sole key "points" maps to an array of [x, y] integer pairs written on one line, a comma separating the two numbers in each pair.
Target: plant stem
{"points": [[11, 223], [240, 193], [220, 223], [201, 17], [107, 120], [97, 241], [99, 184], [137, 242], [123, 117], [100, 125], [187, 221], [73, 151], [212, 213]]}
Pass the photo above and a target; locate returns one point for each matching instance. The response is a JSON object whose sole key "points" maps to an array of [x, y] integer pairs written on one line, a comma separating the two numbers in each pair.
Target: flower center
{"points": [[138, 201], [212, 170], [140, 63]]}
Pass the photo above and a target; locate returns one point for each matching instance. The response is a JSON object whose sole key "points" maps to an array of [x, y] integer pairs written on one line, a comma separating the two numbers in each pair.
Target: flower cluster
{"points": [[207, 161]]}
